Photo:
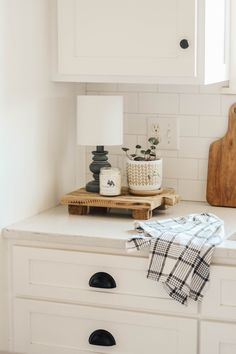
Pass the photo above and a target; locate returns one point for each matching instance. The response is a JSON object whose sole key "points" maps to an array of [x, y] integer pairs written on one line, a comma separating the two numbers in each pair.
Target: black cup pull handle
{"points": [[102, 280], [184, 43], [102, 337]]}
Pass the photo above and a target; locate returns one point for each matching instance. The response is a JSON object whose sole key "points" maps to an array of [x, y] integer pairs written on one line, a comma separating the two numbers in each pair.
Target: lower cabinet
{"points": [[218, 338], [42, 327], [57, 309]]}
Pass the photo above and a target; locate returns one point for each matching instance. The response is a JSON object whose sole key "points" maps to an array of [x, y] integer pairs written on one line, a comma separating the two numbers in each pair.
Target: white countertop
{"points": [[111, 231]]}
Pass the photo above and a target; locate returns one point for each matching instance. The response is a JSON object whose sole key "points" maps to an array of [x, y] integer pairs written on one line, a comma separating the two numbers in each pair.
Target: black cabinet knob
{"points": [[184, 43], [102, 280], [102, 337]]}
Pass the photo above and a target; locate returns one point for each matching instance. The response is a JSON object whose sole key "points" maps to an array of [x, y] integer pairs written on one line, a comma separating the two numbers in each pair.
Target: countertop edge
{"points": [[224, 254]]}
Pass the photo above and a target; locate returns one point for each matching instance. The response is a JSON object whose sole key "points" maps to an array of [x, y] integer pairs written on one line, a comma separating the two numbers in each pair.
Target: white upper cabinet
{"points": [[141, 41]]}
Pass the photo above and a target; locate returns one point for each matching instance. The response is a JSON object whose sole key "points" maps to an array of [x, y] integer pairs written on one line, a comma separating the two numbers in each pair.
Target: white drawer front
{"points": [[220, 299], [51, 328], [218, 338], [64, 275]]}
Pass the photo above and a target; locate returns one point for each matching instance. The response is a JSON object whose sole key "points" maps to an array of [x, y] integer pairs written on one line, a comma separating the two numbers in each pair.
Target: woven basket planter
{"points": [[144, 177]]}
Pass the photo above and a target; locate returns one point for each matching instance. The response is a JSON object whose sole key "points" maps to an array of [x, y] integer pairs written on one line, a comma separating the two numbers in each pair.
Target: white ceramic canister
{"points": [[110, 181]]}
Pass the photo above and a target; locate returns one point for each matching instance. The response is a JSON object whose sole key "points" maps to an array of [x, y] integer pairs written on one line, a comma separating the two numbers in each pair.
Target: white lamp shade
{"points": [[99, 120]]}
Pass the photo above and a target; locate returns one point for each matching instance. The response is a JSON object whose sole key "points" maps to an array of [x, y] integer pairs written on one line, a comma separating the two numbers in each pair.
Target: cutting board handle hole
{"points": [[234, 110]]}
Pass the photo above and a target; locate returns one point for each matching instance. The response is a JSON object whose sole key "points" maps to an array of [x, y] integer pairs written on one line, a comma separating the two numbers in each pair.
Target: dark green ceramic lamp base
{"points": [[99, 160]]}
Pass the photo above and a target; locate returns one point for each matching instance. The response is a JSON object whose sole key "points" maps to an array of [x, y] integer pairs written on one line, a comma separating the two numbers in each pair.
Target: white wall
{"points": [[37, 121], [202, 113], [37, 153]]}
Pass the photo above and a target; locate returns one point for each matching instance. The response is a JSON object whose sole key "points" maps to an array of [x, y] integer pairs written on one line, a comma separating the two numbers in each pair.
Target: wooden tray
{"points": [[81, 202]]}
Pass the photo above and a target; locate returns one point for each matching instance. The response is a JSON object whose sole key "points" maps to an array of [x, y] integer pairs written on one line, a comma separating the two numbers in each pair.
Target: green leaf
{"points": [[125, 149], [142, 151], [147, 152], [153, 141], [138, 146]]}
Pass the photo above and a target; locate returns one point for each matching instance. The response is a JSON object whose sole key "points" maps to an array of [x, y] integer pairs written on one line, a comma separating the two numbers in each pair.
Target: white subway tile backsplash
{"points": [[188, 125], [143, 141], [199, 104], [180, 168], [202, 169], [194, 147], [158, 103], [135, 124], [88, 149], [121, 163], [113, 160], [88, 160], [170, 183], [192, 190], [214, 88], [226, 102], [130, 141], [101, 87], [137, 87], [88, 177], [213, 126], [93, 93], [80, 88], [178, 88], [130, 102], [167, 153], [114, 149], [124, 181], [202, 114]]}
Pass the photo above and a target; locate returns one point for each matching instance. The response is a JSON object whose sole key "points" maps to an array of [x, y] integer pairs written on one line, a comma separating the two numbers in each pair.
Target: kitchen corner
{"points": [[141, 94]]}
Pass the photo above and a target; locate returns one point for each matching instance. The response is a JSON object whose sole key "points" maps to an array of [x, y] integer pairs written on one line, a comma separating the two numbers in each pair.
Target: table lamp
{"points": [[99, 123]]}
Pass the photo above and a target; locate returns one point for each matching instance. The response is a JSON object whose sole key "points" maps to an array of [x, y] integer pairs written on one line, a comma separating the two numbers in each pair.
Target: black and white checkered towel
{"points": [[180, 252]]}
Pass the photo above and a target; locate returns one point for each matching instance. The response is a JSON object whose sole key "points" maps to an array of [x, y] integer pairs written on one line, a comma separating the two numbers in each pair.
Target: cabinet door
{"points": [[52, 328], [220, 299], [113, 39], [218, 338]]}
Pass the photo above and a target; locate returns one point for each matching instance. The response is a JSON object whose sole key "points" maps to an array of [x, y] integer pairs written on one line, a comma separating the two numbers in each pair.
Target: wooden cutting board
{"points": [[221, 179]]}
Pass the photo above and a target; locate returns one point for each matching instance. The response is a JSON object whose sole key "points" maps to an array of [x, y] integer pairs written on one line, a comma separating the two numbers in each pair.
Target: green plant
{"points": [[144, 155]]}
